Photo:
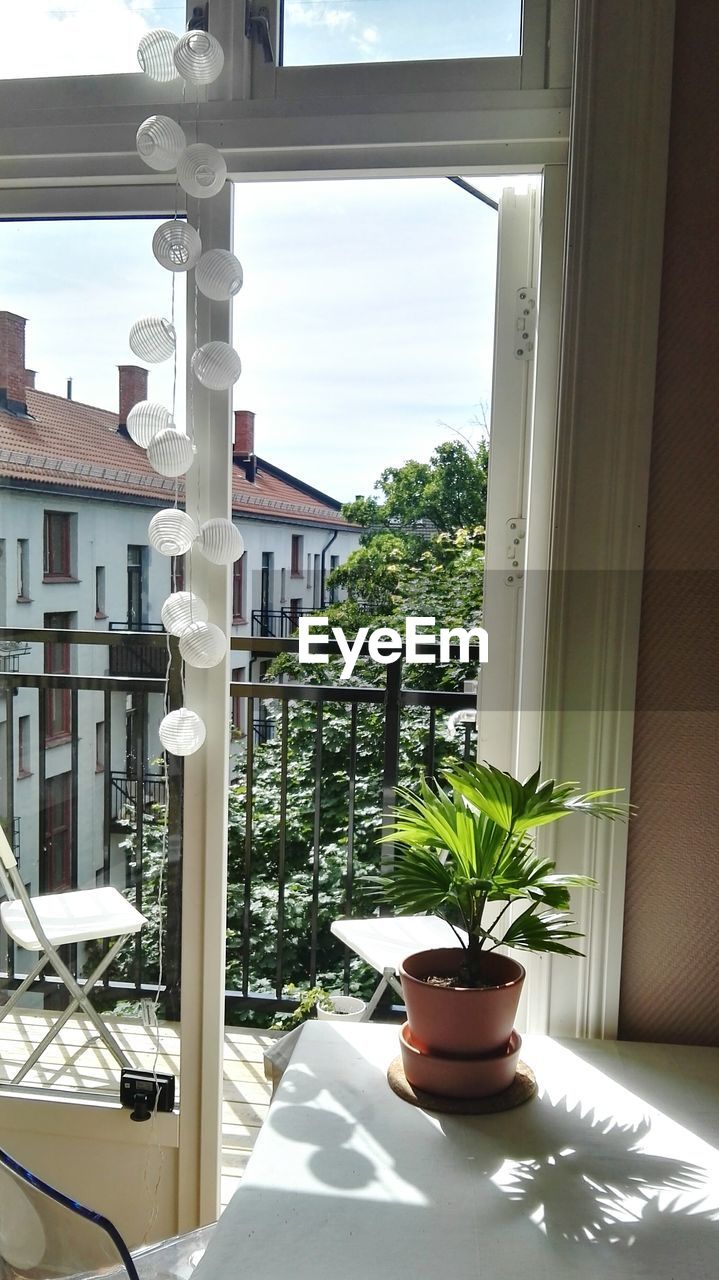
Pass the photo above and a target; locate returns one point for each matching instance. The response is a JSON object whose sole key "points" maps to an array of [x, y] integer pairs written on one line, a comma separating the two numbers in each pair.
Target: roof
{"points": [[77, 447]]}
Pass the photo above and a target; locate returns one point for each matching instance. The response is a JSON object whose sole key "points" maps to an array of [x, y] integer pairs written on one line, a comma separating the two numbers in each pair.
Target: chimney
{"points": [[69, 388], [12, 363], [243, 449], [133, 388], [30, 376]]}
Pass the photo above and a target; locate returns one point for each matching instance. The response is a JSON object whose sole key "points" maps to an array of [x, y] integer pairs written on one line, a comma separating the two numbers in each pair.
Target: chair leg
{"points": [[27, 982], [375, 997], [80, 1000]]}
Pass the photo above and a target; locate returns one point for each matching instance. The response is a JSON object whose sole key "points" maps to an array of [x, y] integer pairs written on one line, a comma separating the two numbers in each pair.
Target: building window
{"points": [[238, 589], [298, 543], [283, 586], [135, 587], [58, 702], [100, 747], [238, 703], [23, 747], [56, 869], [177, 574], [334, 564], [100, 591], [316, 584], [309, 572], [23, 569], [57, 545], [295, 612], [266, 593]]}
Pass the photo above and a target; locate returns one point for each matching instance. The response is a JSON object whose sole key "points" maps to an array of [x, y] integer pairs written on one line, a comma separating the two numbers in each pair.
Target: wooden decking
{"points": [[78, 1060]]}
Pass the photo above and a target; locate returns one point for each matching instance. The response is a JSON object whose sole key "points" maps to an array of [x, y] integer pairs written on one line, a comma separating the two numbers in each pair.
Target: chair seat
{"points": [[83, 915], [384, 941]]}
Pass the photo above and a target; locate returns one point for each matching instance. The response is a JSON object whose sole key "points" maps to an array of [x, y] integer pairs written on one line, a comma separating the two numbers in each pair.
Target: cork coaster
{"points": [[522, 1088]]}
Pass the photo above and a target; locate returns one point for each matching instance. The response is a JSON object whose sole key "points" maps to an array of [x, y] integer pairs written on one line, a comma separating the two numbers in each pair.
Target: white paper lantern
{"points": [[172, 532], [203, 644], [176, 245], [201, 171], [152, 339], [216, 365], [145, 420], [180, 609], [171, 453], [198, 57], [182, 732], [159, 141], [218, 275], [220, 541], [155, 55]]}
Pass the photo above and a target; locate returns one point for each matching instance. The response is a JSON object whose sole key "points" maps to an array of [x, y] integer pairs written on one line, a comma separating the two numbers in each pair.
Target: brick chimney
{"points": [[12, 363], [133, 388], [243, 449]]}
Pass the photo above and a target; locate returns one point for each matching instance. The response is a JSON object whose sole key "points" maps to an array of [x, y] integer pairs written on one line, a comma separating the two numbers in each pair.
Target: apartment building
{"points": [[76, 497]]}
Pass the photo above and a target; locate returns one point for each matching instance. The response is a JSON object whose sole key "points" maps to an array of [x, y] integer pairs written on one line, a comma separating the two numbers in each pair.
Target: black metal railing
{"points": [[337, 750], [126, 790], [277, 624], [142, 658]]}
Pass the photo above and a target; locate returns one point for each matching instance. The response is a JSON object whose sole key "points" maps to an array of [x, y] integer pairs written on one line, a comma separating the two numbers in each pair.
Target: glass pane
{"points": [[326, 32], [80, 37]]}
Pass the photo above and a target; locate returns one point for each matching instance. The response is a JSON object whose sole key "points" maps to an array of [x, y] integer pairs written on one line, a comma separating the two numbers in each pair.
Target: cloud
{"points": [[81, 37], [317, 14]]}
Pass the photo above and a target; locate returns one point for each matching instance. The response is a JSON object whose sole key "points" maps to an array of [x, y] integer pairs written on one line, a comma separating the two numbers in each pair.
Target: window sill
{"points": [[99, 768], [60, 740], [23, 600], [238, 621], [58, 577], [100, 617], [296, 575], [24, 773]]}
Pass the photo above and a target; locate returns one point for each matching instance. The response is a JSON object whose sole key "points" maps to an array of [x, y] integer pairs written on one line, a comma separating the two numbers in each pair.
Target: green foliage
{"points": [[466, 846], [449, 492]]}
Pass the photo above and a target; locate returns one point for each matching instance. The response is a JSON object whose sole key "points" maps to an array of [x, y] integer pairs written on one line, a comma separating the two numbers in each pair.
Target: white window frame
{"points": [[68, 148]]}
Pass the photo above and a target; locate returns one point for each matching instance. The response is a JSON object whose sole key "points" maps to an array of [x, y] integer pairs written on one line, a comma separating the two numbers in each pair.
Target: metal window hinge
{"points": [[525, 323], [516, 548], [257, 27]]}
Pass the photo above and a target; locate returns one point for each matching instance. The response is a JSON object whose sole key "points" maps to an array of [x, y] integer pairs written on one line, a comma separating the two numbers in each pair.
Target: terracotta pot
{"points": [[460, 1020], [460, 1077]]}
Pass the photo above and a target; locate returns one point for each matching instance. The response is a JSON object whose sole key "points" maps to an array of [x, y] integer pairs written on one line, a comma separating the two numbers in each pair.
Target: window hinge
{"points": [[257, 27], [525, 323], [516, 536]]}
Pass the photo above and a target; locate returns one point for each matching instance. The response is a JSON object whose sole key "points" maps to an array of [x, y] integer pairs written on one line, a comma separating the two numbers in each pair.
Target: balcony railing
{"points": [[126, 790], [277, 624], [138, 658]]}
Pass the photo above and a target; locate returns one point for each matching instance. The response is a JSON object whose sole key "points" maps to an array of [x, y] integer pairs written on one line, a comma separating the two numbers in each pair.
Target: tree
{"points": [[447, 493]]}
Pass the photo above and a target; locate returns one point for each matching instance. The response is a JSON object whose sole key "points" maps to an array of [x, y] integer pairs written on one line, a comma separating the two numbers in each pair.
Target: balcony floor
{"points": [[77, 1060]]}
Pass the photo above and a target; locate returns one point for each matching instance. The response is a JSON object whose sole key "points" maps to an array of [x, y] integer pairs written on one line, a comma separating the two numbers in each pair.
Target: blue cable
{"points": [[75, 1207]]}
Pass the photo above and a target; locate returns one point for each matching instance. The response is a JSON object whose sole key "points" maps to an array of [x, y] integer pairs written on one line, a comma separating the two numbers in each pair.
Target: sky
{"points": [[365, 322]]}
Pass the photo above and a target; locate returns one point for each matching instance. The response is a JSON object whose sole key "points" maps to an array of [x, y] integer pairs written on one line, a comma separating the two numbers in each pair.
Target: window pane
{"points": [[80, 37], [325, 32]]}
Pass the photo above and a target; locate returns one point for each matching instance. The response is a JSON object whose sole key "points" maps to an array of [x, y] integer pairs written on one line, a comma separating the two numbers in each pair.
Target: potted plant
{"points": [[465, 851], [325, 1005]]}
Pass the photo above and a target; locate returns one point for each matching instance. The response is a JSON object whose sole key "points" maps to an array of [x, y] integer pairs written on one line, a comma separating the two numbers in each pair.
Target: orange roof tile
{"points": [[78, 446]]}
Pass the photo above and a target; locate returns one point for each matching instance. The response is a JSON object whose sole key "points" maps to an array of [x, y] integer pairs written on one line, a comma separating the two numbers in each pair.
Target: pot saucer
{"points": [[452, 1077]]}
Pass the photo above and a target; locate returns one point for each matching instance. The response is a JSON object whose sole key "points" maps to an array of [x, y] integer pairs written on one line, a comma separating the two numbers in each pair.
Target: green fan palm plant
{"points": [[465, 852]]}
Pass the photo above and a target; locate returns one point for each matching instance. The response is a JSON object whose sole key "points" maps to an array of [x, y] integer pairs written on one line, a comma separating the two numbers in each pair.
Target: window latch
{"points": [[525, 323], [257, 27]]}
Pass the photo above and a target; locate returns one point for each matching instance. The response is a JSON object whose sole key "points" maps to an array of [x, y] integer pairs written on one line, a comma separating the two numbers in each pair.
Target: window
{"points": [[238, 589], [58, 702], [238, 701], [298, 543], [23, 569], [135, 587], [295, 612], [283, 586], [57, 551], [266, 594], [308, 580], [100, 746], [56, 867], [23, 747], [334, 564], [100, 591], [316, 584], [177, 574]]}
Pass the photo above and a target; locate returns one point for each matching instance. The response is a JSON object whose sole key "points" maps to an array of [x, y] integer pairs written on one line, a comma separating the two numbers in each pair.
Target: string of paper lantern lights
{"points": [[197, 57]]}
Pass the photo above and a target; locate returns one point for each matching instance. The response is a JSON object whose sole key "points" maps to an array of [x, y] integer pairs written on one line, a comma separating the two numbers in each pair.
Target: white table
{"points": [[611, 1173]]}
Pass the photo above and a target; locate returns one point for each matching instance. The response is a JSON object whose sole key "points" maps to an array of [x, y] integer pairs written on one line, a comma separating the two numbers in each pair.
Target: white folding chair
{"points": [[57, 920], [384, 941]]}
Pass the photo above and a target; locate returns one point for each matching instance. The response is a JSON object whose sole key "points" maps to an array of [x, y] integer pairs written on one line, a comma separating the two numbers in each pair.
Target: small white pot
{"points": [[344, 1009]]}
